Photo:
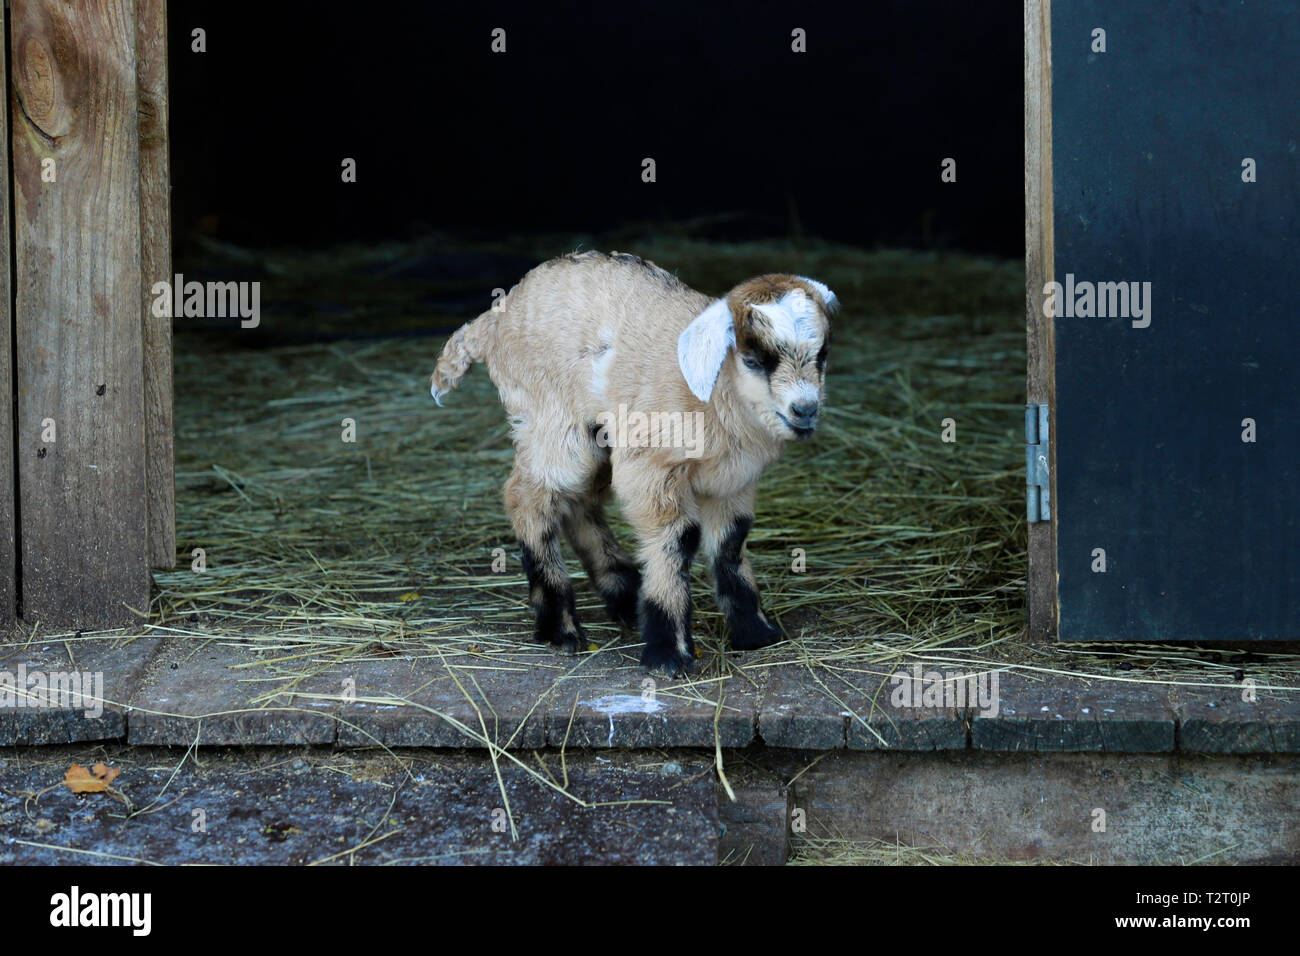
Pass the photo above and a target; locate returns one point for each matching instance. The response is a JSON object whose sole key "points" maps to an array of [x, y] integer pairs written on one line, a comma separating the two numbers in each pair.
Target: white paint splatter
{"points": [[625, 704], [612, 704]]}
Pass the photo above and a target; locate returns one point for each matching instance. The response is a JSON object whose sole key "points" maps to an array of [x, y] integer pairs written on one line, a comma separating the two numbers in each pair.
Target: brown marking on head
{"points": [[779, 363], [753, 329]]}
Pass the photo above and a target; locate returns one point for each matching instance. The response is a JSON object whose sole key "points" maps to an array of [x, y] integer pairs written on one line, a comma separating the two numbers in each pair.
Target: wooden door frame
{"points": [[150, 161], [84, 516], [1040, 261]]}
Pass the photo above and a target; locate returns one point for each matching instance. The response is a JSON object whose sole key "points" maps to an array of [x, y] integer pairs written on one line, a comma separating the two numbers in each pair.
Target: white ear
{"points": [[702, 348], [827, 295]]}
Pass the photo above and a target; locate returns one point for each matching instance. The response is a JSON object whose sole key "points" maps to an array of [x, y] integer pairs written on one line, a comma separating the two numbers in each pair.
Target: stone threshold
{"points": [[181, 691]]}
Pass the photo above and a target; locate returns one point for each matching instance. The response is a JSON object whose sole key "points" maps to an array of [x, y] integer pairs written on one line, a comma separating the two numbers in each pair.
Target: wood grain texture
{"points": [[77, 303], [8, 548], [156, 266], [1040, 260]]}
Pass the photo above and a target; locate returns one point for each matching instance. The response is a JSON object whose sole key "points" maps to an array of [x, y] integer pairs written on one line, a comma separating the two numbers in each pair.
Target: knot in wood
{"points": [[40, 87]]}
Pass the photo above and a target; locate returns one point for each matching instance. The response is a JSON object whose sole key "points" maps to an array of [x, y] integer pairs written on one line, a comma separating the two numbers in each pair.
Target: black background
{"points": [[335, 906], [843, 142]]}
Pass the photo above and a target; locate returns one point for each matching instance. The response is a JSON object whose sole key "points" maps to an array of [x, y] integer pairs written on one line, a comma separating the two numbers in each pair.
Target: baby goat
{"points": [[604, 364]]}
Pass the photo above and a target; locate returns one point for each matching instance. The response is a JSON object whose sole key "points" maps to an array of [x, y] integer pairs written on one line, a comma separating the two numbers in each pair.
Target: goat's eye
{"points": [[761, 360]]}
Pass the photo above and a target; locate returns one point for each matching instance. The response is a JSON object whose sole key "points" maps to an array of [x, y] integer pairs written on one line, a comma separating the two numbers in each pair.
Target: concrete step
{"points": [[270, 806], [1092, 808]]}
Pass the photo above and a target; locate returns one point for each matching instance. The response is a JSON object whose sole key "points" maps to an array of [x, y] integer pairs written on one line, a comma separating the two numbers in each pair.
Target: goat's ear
{"points": [[827, 295], [702, 348]]}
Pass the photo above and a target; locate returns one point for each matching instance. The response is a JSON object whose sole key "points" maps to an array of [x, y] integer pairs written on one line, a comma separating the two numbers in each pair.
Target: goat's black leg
{"points": [[611, 571], [727, 523], [537, 514], [665, 604]]}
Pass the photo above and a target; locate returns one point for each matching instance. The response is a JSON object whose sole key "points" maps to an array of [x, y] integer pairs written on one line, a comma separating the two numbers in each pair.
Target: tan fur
{"points": [[547, 349]]}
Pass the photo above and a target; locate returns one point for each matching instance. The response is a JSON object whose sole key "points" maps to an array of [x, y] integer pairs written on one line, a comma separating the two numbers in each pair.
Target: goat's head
{"points": [[775, 329]]}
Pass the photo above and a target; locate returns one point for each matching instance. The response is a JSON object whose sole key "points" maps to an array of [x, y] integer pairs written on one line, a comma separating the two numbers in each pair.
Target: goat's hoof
{"points": [[755, 634], [566, 640], [621, 602], [571, 643], [623, 613], [666, 661]]}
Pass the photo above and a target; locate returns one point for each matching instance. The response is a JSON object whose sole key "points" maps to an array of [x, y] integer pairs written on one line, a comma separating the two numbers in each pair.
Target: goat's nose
{"points": [[803, 412]]}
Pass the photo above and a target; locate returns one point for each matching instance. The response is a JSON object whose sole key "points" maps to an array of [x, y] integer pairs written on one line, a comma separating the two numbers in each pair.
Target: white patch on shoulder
{"points": [[600, 370], [793, 318]]}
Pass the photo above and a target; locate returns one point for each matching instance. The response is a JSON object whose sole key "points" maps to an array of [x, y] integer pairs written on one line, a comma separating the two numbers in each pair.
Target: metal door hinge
{"points": [[1038, 477]]}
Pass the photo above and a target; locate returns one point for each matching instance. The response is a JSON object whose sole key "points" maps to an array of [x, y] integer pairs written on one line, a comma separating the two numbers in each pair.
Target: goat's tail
{"points": [[464, 348]]}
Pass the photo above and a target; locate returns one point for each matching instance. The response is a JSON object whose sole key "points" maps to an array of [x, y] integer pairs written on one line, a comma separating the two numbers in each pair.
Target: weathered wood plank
{"points": [[78, 296], [189, 694], [156, 266], [8, 524], [795, 712], [188, 690], [1039, 270], [506, 707], [1069, 714], [1218, 721], [403, 703], [617, 709], [89, 683]]}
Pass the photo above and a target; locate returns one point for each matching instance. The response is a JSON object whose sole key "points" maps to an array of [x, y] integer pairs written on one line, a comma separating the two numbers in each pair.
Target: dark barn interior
{"points": [[474, 166], [471, 168], [841, 143], [346, 579]]}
